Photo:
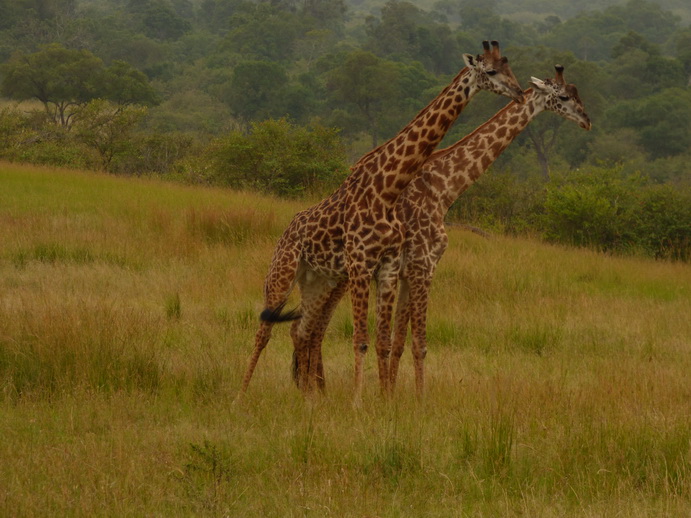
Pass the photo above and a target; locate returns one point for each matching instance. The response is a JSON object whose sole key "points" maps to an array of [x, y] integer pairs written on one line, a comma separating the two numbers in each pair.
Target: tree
{"points": [[596, 207], [263, 33], [61, 79], [639, 68], [327, 14], [107, 128], [256, 89], [125, 85], [662, 121], [406, 32], [365, 82], [65, 80], [158, 19], [684, 50]]}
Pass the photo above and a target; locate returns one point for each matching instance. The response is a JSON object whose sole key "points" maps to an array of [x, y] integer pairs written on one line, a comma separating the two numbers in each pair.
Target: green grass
{"points": [[557, 379]]}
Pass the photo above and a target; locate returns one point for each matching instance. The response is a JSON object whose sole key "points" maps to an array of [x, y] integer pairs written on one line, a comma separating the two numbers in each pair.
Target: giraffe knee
{"points": [[362, 348], [420, 354]]}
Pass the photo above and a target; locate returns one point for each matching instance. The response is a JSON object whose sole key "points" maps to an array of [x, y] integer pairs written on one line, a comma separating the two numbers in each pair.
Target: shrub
{"points": [[664, 223], [593, 207], [278, 157], [501, 201], [615, 211]]}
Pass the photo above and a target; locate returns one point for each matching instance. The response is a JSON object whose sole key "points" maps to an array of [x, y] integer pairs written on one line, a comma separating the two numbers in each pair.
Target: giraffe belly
{"points": [[327, 261]]}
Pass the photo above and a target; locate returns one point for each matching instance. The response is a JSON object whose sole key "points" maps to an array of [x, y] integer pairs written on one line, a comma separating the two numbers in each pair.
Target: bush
{"points": [[502, 202], [608, 209], [278, 157], [592, 207], [664, 226]]}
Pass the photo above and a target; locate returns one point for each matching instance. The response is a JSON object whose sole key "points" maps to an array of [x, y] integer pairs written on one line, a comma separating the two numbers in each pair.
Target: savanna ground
{"points": [[558, 380]]}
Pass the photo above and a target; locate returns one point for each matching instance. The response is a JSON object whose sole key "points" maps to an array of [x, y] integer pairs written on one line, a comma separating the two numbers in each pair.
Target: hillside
{"points": [[558, 378]]}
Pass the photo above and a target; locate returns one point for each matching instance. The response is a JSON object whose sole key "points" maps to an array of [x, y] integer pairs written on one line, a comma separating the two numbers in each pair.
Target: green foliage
{"points": [[256, 89], [502, 202], [107, 128], [262, 32], [278, 157], [64, 80], [592, 207], [613, 211], [592, 35], [406, 32], [664, 224], [58, 77], [662, 121], [220, 64], [370, 93]]}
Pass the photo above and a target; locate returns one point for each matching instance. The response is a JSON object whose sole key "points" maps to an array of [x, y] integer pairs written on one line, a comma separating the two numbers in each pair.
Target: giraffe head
{"points": [[493, 72], [562, 98]]}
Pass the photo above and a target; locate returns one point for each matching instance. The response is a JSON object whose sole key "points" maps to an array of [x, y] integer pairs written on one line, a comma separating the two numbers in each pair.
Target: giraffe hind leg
{"points": [[400, 330], [261, 339], [282, 276], [319, 298]]}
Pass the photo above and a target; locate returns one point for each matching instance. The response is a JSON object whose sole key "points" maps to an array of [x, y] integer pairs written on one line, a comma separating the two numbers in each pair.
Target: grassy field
{"points": [[558, 380]]}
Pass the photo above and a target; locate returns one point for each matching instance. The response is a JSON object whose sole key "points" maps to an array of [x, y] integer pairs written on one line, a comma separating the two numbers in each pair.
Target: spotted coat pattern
{"points": [[446, 174], [355, 233]]}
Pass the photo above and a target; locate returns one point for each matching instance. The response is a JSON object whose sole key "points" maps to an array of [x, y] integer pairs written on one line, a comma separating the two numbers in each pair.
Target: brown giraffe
{"points": [[446, 174], [341, 241]]}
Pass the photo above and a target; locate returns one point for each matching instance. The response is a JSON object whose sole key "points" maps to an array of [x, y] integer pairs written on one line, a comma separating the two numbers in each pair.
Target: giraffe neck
{"points": [[389, 168], [450, 171]]}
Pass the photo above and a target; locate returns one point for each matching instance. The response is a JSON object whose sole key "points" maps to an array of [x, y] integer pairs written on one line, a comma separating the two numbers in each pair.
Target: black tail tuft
{"points": [[277, 315]]}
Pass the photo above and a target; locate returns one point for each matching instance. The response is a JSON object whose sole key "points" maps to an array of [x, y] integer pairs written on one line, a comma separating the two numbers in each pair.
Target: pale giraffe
{"points": [[446, 174], [342, 240]]}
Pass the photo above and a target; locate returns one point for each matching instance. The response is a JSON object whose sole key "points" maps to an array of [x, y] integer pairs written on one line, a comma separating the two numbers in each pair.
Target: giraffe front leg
{"points": [[418, 325], [400, 331], [387, 278]]}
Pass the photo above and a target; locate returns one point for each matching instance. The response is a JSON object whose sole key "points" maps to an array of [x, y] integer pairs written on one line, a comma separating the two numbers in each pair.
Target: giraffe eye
{"points": [[491, 72], [564, 97]]}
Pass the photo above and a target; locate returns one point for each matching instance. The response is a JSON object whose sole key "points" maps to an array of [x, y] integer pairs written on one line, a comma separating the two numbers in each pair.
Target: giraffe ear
{"points": [[469, 60], [538, 83]]}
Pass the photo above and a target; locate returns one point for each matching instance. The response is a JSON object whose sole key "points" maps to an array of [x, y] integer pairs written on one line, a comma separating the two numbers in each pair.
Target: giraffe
{"points": [[423, 204], [340, 242], [446, 174]]}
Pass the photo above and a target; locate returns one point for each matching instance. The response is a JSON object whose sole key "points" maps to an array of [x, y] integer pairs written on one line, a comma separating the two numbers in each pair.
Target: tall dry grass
{"points": [[557, 379]]}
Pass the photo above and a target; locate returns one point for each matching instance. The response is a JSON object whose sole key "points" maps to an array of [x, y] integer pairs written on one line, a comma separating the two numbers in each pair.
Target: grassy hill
{"points": [[558, 379]]}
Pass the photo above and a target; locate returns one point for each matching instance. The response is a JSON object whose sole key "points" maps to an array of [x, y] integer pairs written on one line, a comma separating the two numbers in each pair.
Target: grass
{"points": [[557, 379]]}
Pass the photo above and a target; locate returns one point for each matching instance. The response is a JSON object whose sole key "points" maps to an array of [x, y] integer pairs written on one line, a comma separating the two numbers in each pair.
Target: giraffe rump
{"points": [[277, 314]]}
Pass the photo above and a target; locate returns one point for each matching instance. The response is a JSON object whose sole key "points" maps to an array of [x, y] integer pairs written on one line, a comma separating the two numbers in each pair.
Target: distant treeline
{"points": [[281, 96]]}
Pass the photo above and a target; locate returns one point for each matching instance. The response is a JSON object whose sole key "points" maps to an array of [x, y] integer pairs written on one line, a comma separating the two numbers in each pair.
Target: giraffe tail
{"points": [[277, 314]]}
